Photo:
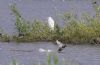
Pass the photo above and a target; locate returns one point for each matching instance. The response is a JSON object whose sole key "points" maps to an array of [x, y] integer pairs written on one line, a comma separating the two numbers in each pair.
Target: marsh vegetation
{"points": [[51, 59], [76, 30]]}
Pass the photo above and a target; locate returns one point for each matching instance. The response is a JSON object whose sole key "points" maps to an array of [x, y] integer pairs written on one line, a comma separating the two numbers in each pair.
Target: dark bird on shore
{"points": [[61, 46], [0, 34], [21, 34], [95, 40], [94, 2]]}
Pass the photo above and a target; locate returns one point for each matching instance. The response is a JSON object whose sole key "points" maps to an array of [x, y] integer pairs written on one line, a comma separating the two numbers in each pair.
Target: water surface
{"points": [[28, 54]]}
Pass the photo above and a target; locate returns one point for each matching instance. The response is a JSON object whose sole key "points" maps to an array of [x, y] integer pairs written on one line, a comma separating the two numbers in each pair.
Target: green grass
{"points": [[81, 31], [74, 31], [51, 59], [14, 62]]}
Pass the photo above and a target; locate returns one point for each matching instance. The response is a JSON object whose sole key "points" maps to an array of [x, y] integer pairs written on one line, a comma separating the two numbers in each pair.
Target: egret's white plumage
{"points": [[43, 50], [51, 23]]}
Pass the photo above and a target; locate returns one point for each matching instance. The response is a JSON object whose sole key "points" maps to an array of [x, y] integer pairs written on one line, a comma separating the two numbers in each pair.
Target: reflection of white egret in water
{"points": [[43, 50], [51, 23]]}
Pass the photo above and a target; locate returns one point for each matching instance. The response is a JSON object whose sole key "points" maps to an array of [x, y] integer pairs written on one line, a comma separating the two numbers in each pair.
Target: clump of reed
{"points": [[81, 31], [48, 60], [55, 59], [51, 59], [14, 62], [74, 31], [36, 31]]}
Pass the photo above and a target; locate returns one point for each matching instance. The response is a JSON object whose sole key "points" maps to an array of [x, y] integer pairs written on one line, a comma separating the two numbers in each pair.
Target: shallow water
{"points": [[31, 9], [28, 53]]}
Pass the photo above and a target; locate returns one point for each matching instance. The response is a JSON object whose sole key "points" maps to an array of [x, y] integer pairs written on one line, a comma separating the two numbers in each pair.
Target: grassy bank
{"points": [[76, 30], [36, 31]]}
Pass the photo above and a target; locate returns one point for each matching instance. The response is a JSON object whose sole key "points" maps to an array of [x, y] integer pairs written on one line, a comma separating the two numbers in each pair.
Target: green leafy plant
{"points": [[14, 62]]}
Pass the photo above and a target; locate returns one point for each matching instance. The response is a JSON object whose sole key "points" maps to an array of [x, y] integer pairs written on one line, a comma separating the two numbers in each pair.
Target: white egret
{"points": [[43, 50], [61, 45], [51, 23]]}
